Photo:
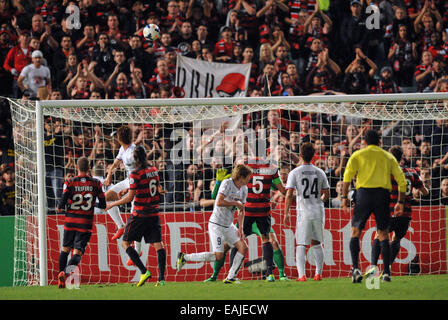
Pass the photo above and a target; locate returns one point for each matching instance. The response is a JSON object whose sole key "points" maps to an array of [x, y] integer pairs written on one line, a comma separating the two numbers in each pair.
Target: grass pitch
{"points": [[433, 287]]}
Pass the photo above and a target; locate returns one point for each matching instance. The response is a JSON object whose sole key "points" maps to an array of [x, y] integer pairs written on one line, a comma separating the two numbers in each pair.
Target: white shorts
{"points": [[307, 230], [120, 186], [219, 235]]}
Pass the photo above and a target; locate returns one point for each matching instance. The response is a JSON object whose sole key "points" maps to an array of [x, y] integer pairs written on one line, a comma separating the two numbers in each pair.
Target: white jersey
{"points": [[127, 156], [223, 216], [308, 180], [35, 77]]}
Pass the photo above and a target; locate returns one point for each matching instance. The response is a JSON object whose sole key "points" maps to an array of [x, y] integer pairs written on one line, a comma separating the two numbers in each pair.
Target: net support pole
{"points": [[41, 203]]}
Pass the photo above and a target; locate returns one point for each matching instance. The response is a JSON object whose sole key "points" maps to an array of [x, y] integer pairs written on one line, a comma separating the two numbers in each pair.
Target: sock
{"points": [[376, 250], [63, 256], [218, 265], [301, 259], [268, 255], [233, 252], [318, 257], [237, 261], [200, 256], [138, 246], [394, 249], [279, 260], [74, 261], [385, 253], [136, 259], [354, 251], [161, 261], [114, 213]]}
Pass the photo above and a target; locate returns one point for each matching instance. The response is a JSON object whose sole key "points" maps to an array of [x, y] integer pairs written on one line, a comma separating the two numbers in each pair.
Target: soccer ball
{"points": [[151, 32]]}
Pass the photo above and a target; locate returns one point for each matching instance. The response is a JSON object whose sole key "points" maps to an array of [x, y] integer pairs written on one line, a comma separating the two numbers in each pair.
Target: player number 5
{"points": [[258, 184]]}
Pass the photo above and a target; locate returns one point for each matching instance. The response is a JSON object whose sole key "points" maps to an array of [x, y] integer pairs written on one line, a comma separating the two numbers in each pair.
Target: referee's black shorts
{"points": [[148, 228], [371, 200]]}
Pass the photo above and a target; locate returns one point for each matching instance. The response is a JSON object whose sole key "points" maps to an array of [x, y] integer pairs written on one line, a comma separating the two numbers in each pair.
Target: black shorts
{"points": [[76, 240], [263, 224], [368, 201], [148, 228], [399, 225]]}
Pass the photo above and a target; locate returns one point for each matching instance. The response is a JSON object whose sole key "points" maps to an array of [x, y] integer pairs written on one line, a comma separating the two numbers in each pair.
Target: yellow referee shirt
{"points": [[373, 167]]}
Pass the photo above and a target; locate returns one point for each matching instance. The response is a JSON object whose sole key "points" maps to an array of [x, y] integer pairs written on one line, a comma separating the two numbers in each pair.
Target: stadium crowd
{"points": [[296, 47]]}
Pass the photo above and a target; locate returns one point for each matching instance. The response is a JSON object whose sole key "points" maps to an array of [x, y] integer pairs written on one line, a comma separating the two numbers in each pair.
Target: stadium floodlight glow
{"points": [[35, 231]]}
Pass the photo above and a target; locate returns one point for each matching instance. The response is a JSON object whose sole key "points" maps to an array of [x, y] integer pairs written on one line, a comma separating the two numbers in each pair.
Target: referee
{"points": [[373, 168]]}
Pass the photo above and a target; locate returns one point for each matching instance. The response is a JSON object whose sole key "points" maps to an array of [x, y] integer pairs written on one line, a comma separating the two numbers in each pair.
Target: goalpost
{"points": [[188, 139]]}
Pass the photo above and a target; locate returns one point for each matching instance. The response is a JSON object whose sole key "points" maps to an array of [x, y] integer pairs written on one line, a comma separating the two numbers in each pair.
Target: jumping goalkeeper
{"points": [[278, 256]]}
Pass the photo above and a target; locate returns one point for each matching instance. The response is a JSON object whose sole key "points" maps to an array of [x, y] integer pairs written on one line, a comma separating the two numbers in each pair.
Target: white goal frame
{"points": [[208, 107]]}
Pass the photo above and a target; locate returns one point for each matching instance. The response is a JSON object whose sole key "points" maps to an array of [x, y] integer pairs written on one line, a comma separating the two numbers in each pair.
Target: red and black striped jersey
{"points": [[413, 181], [145, 183], [258, 202], [79, 197]]}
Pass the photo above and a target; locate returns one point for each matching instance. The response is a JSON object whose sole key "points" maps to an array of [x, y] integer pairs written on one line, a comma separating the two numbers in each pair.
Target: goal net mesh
{"points": [[188, 143]]}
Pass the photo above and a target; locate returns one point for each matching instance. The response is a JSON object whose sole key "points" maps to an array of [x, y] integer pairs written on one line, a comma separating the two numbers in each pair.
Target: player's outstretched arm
{"points": [[128, 198], [110, 172]]}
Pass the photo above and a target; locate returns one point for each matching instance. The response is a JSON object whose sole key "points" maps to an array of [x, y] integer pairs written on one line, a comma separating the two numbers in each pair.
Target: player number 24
{"points": [[313, 190]]}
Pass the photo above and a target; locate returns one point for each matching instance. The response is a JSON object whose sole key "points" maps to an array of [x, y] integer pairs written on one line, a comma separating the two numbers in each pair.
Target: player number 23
{"points": [[79, 199]]}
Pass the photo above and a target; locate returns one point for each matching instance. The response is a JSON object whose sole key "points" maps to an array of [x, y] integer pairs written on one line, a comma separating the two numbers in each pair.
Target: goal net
{"points": [[188, 140]]}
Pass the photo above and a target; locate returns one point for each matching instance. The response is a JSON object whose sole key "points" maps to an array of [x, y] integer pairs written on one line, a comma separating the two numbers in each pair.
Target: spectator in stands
{"points": [[247, 10], [173, 20], [335, 202], [318, 25], [18, 58], [35, 75], [386, 83], [444, 192], [224, 47], [357, 79], [61, 54], [139, 57], [410, 155], [117, 36], [44, 33], [266, 55], [183, 38], [423, 72], [103, 55], [202, 35], [353, 33], [424, 24], [162, 77], [54, 160], [322, 77], [426, 177], [8, 192], [403, 56], [268, 81]]}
